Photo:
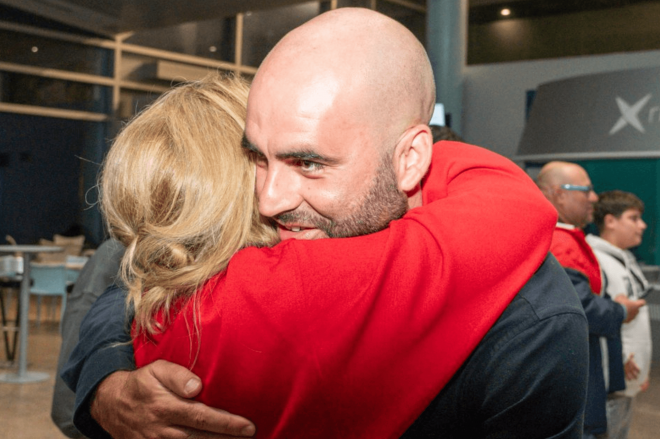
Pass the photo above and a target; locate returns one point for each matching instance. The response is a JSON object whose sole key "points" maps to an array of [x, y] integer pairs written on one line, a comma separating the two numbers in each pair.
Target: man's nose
{"points": [[278, 191], [643, 224], [592, 196]]}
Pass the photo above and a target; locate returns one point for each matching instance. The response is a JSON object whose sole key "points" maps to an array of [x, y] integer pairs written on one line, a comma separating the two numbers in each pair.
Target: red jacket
{"points": [[352, 338], [571, 249]]}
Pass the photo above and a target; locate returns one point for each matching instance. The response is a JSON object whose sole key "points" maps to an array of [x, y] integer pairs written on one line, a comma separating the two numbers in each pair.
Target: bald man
{"points": [[426, 323], [569, 189]]}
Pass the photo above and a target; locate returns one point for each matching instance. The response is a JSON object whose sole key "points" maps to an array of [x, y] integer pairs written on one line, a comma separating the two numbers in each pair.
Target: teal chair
{"points": [[49, 280]]}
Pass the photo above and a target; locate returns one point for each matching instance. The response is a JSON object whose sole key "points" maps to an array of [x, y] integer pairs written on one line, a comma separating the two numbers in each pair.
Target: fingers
{"points": [[192, 414], [631, 369], [177, 379], [139, 405], [633, 308], [189, 433], [197, 416]]}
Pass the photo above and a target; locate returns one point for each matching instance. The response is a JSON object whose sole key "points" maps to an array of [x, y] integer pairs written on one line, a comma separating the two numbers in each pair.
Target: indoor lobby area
{"points": [[529, 82]]}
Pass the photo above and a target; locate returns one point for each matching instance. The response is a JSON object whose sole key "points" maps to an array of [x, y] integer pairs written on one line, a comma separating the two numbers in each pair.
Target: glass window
{"points": [[415, 21], [17, 88], [263, 29], [213, 39], [25, 49]]}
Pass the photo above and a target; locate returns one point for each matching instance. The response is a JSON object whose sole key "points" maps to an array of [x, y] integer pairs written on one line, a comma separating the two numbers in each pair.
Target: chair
{"points": [[49, 280], [50, 258], [73, 245]]}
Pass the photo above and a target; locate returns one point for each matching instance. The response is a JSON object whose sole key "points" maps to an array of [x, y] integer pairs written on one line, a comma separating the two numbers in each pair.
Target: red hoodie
{"points": [[354, 337], [571, 249]]}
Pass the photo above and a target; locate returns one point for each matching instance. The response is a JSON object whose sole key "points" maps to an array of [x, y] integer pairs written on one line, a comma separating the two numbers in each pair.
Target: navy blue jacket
{"points": [[605, 318], [528, 376]]}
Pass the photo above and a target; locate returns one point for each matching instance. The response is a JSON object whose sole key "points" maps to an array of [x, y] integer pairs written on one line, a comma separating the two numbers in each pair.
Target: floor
{"points": [[25, 408]]}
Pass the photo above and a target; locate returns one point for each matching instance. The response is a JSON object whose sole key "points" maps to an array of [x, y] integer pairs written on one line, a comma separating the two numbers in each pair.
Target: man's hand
{"points": [[153, 401], [631, 369], [632, 306]]}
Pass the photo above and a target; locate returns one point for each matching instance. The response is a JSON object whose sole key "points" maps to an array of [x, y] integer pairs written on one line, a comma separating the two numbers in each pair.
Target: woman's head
{"points": [[178, 191]]}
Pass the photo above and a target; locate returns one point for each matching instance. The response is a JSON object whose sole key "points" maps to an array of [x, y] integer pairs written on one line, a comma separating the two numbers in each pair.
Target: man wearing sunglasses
{"points": [[569, 189]]}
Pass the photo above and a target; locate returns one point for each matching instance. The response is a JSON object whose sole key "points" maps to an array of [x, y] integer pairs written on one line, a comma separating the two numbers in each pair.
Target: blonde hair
{"points": [[178, 191]]}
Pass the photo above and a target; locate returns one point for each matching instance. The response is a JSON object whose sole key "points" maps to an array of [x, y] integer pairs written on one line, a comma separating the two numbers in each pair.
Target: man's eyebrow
{"points": [[246, 144], [307, 154]]}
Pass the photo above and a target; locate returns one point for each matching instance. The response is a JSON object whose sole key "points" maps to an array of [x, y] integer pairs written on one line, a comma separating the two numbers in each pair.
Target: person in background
{"points": [[100, 271], [569, 189], [444, 133], [618, 216]]}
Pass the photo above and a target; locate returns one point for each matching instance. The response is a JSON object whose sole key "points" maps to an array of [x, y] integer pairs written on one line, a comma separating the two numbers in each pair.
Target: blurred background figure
{"points": [[568, 187], [618, 216], [444, 133]]}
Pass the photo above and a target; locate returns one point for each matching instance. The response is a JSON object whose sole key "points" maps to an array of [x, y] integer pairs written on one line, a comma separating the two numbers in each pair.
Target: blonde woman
{"points": [[178, 192]]}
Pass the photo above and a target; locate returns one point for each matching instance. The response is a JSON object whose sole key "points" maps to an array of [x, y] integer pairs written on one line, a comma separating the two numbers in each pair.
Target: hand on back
{"points": [[154, 401]]}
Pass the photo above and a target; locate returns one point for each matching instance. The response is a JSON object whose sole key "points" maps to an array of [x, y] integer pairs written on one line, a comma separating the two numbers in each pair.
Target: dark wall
{"points": [[641, 177], [44, 179]]}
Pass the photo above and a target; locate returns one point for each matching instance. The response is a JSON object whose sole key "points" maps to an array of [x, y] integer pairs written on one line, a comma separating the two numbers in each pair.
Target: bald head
{"points": [[337, 116], [558, 173], [350, 62], [568, 187]]}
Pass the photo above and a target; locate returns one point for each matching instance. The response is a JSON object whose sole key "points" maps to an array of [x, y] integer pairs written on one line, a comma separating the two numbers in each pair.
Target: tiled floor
{"points": [[25, 408]]}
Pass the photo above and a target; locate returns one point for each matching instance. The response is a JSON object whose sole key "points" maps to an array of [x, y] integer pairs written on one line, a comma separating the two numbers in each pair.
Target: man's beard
{"points": [[384, 202]]}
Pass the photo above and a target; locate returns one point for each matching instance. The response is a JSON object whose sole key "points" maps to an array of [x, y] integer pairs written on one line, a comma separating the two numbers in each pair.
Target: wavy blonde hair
{"points": [[177, 190]]}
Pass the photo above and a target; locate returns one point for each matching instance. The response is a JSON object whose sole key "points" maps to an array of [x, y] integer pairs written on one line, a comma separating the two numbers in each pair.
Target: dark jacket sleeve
{"points": [[98, 273], [531, 365], [104, 347], [604, 315]]}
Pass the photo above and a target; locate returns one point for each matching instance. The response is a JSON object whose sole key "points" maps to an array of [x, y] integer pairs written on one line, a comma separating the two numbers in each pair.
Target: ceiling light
{"points": [[34, 49], [213, 49], [505, 12]]}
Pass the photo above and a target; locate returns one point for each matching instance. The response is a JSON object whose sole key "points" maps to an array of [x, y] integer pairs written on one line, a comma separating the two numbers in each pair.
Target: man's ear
{"points": [[412, 157], [608, 221], [558, 195]]}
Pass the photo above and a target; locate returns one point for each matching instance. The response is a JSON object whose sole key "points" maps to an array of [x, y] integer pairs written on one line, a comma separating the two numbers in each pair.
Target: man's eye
{"points": [[309, 166]]}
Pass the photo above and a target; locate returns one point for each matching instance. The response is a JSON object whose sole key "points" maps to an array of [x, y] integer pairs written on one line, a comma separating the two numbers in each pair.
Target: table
{"points": [[22, 375]]}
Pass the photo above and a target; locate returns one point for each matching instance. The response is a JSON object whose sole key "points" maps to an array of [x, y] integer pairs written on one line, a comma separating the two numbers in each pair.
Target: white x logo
{"points": [[629, 114]]}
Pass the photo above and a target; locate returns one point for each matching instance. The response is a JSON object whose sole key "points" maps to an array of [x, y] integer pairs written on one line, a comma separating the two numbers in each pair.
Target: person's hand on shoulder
{"points": [[154, 401]]}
